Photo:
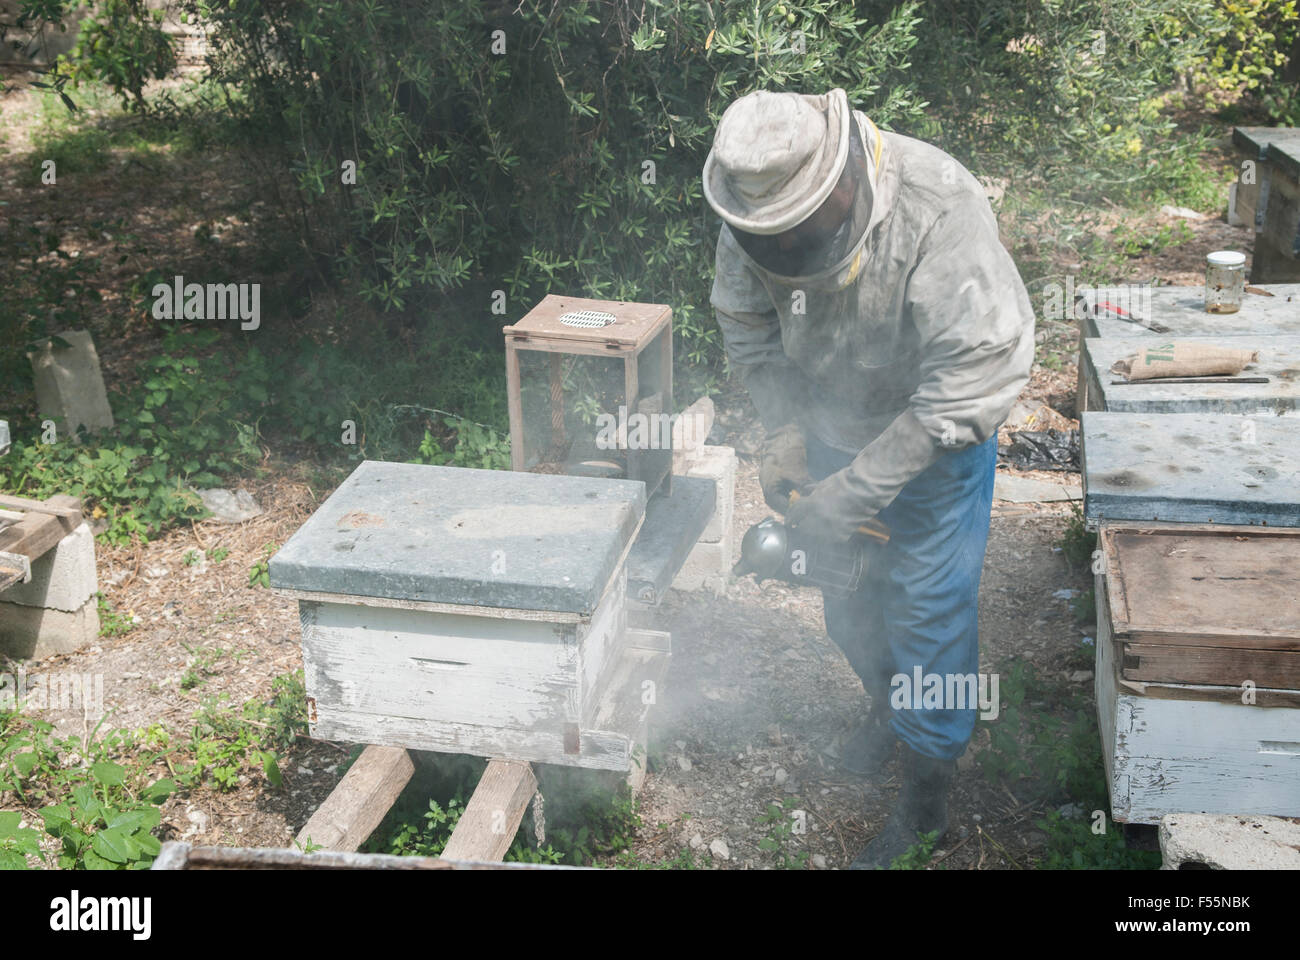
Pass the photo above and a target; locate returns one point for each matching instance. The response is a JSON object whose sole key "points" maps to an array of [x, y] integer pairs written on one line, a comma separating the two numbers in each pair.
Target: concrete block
{"points": [[34, 632], [719, 465], [690, 432], [707, 567], [63, 579], [69, 384], [1219, 842]]}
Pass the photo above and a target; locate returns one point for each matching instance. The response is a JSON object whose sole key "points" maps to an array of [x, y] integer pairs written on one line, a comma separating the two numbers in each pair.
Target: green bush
{"points": [[526, 172]]}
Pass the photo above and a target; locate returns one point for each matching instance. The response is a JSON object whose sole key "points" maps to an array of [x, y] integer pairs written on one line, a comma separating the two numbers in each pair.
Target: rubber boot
{"points": [[922, 807], [871, 745]]}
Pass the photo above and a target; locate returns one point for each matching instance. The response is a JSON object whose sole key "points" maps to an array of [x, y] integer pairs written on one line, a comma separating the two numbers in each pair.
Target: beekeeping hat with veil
{"points": [[791, 176]]}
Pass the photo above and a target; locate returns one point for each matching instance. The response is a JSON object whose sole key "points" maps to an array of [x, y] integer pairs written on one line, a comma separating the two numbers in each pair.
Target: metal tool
{"points": [[772, 551]]}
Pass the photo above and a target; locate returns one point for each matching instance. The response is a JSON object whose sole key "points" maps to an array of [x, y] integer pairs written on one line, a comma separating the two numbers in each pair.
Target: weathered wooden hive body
{"points": [[473, 611]]}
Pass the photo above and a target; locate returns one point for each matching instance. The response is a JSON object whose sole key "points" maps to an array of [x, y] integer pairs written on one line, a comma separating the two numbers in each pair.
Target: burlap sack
{"points": [[1173, 359]]}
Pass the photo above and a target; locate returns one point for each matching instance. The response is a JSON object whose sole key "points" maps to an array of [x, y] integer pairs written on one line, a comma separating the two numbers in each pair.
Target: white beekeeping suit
{"points": [[908, 336]]}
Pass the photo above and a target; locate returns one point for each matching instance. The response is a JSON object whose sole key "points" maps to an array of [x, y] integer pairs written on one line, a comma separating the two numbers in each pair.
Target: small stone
{"points": [[132, 675], [229, 506], [1070, 811], [780, 775], [818, 861], [719, 849], [684, 763], [976, 817], [303, 771], [1081, 676], [697, 842]]}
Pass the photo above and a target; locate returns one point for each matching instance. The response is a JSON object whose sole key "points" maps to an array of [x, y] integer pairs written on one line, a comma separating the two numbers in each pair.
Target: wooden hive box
{"points": [[473, 611], [1271, 200], [1198, 669]]}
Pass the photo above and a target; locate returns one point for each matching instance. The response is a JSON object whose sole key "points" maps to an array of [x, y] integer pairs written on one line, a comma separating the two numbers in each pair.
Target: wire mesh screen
{"points": [[571, 405]]}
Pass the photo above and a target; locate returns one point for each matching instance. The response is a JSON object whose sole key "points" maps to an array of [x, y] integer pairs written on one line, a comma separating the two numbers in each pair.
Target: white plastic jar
{"points": [[1225, 281]]}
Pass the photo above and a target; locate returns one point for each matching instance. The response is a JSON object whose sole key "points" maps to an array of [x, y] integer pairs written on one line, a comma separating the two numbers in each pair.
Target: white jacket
{"points": [[924, 351]]}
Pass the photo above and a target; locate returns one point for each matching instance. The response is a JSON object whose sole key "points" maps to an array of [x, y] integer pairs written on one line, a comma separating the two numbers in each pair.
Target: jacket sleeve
{"points": [[751, 332], [976, 330]]}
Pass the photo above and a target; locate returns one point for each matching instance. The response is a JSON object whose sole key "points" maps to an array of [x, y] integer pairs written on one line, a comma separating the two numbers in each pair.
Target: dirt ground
{"points": [[757, 696]]}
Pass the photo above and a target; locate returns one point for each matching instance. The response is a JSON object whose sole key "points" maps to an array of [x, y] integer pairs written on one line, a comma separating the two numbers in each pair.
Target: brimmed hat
{"points": [[776, 157]]}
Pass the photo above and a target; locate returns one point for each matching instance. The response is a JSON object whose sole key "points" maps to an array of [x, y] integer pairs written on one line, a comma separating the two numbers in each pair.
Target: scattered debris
{"points": [[1042, 450]]}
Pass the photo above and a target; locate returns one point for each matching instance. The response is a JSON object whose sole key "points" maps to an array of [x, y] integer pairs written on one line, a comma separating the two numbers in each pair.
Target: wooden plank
{"points": [[429, 606], [37, 533], [487, 828], [636, 324], [1168, 663], [42, 506], [514, 404], [181, 856], [360, 800], [1211, 585]]}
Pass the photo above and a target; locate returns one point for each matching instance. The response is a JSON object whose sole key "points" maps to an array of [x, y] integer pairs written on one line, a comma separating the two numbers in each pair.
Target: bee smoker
{"points": [[772, 551]]}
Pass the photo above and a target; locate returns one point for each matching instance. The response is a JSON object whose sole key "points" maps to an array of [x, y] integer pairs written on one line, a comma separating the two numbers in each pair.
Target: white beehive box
{"points": [[473, 611], [1178, 602]]}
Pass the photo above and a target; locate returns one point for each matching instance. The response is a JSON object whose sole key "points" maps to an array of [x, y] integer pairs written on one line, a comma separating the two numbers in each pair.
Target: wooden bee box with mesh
{"points": [[590, 387]]}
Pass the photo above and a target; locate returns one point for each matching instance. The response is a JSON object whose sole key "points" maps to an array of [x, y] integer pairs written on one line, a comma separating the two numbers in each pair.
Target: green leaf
{"points": [[91, 861], [9, 824], [25, 763], [112, 844], [158, 791], [271, 769], [12, 860], [108, 773]]}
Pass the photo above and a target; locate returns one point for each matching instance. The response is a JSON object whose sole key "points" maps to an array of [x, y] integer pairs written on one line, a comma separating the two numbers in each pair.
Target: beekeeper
{"points": [[883, 334]]}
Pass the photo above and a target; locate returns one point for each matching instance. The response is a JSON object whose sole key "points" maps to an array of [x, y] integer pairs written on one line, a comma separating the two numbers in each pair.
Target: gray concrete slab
{"points": [[1191, 468], [672, 526], [489, 538], [1014, 489], [1182, 310], [1279, 360]]}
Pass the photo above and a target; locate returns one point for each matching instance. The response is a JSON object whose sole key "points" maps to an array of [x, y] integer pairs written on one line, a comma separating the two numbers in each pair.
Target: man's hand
{"points": [[829, 514], [784, 466]]}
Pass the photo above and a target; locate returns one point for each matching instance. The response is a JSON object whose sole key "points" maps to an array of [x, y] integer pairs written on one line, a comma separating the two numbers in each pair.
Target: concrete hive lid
{"points": [[450, 535]]}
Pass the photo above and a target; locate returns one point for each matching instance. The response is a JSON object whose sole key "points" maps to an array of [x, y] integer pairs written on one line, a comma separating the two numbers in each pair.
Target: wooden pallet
{"points": [[31, 528]]}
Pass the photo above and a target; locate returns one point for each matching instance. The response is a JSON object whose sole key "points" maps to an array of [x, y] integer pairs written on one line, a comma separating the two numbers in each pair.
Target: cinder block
{"points": [[63, 579], [69, 383], [719, 465], [34, 632], [1225, 842], [707, 566]]}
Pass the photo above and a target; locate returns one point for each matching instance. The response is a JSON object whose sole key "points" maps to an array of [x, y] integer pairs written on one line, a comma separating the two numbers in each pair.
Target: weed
{"points": [[191, 558], [917, 856], [112, 623], [259, 574], [778, 823], [103, 812], [217, 554], [1077, 542]]}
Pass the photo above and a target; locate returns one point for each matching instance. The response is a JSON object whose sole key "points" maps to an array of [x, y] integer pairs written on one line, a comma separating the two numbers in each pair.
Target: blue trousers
{"points": [[918, 606]]}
